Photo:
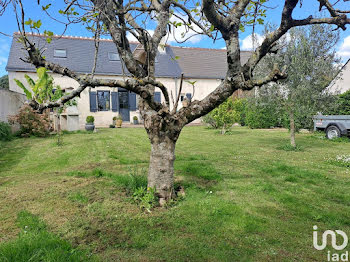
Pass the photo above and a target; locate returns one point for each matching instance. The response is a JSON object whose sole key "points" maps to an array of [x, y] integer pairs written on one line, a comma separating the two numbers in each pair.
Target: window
{"points": [[182, 97], [113, 56], [60, 53], [103, 100], [123, 100]]}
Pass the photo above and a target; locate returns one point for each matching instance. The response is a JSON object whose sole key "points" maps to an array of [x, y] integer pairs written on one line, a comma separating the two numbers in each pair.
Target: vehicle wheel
{"points": [[332, 132]]}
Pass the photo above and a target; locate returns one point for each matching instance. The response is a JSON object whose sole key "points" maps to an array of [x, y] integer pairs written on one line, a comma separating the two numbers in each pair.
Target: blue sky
{"points": [[8, 25]]}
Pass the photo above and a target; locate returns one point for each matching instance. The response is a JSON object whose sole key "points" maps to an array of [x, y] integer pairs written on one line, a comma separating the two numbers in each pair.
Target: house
{"points": [[341, 83], [203, 70]]}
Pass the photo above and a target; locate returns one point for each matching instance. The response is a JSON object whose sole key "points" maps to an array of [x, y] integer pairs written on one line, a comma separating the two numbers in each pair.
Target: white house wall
{"points": [[104, 118], [341, 83]]}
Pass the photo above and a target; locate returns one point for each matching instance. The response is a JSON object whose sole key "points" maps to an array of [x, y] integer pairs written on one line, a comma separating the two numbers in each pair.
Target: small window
{"points": [[103, 100], [113, 56], [182, 97], [60, 53]]}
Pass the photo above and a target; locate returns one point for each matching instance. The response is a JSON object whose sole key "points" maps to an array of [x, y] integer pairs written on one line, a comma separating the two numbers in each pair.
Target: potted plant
{"points": [[119, 121], [89, 126], [136, 120], [114, 120]]}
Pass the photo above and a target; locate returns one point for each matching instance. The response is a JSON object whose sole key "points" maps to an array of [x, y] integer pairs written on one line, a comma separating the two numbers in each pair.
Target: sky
{"points": [[8, 26]]}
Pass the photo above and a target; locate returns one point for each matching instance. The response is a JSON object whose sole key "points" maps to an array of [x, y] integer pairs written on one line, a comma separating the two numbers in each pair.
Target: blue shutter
{"points": [[132, 101], [93, 101], [115, 102], [157, 97], [189, 96]]}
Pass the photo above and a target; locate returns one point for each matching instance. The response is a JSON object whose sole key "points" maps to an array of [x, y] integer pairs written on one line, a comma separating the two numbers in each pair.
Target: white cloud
{"points": [[179, 33], [182, 32], [344, 50], [132, 38], [247, 43]]}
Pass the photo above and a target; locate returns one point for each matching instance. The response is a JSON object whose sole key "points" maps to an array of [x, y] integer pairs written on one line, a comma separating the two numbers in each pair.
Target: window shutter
{"points": [[115, 102], [93, 101], [189, 96], [157, 97], [132, 101]]}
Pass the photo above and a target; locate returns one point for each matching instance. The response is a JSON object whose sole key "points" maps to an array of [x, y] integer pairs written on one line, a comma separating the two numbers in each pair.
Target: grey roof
{"points": [[80, 56], [205, 62], [193, 62]]}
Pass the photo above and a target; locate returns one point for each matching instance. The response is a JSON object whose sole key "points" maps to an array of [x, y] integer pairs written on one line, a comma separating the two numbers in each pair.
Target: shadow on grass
{"points": [[200, 174]]}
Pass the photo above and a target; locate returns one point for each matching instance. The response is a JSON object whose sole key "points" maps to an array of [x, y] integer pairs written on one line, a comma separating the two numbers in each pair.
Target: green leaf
{"points": [[30, 81], [26, 91], [28, 22]]}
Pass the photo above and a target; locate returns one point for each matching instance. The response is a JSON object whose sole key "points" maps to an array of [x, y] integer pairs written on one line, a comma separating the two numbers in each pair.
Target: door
{"points": [[124, 105]]}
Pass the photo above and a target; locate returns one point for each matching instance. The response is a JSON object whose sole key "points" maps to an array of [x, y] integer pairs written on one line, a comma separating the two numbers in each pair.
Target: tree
{"points": [[312, 64], [224, 116], [343, 104], [44, 91], [216, 19], [4, 82]]}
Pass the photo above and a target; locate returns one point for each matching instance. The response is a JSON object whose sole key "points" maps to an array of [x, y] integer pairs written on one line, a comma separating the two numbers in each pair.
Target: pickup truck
{"points": [[334, 125]]}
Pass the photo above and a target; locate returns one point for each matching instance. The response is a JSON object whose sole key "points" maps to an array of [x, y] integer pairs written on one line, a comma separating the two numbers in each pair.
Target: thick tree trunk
{"points": [[161, 168], [292, 128]]}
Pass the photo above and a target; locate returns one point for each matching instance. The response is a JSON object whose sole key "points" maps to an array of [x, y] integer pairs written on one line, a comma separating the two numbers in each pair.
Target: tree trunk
{"points": [[161, 168], [292, 128]]}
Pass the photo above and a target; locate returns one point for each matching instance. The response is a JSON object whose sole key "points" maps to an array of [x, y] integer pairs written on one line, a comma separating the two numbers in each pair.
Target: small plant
{"points": [[289, 147], [145, 198], [5, 132], [90, 119], [135, 118], [114, 118]]}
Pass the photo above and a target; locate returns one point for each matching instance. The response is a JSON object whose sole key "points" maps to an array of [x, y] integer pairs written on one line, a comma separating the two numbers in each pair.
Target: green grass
{"points": [[35, 243], [248, 196]]}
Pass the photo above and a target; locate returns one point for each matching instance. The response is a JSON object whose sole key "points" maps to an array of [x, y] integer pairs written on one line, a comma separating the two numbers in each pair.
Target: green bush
{"points": [[261, 116], [240, 107], [90, 119], [343, 104], [31, 123], [5, 132], [224, 116]]}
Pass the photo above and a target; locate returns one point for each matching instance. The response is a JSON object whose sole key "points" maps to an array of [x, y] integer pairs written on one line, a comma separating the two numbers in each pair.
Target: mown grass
{"points": [[248, 197], [35, 243]]}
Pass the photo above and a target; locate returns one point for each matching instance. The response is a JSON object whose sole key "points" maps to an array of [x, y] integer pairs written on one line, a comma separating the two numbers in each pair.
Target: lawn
{"points": [[246, 199]]}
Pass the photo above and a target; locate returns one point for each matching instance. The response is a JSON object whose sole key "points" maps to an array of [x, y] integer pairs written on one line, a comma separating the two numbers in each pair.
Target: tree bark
{"points": [[161, 167], [292, 128]]}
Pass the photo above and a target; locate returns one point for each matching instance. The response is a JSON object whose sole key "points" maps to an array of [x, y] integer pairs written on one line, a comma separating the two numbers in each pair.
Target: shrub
{"points": [[31, 123], [239, 106], [135, 118], [90, 119], [5, 132], [343, 104], [223, 116], [261, 116]]}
